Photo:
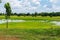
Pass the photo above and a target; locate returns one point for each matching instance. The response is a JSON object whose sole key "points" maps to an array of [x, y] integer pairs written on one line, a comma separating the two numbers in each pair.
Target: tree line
{"points": [[51, 14]]}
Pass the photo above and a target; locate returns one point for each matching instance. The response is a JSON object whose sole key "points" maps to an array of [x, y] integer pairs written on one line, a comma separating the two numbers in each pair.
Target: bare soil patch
{"points": [[9, 38]]}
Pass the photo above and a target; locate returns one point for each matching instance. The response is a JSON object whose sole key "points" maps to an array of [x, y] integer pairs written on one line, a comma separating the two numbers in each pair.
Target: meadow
{"points": [[31, 30], [56, 18]]}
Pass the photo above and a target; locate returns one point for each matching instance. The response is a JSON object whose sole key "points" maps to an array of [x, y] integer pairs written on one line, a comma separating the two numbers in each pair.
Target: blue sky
{"points": [[32, 5]]}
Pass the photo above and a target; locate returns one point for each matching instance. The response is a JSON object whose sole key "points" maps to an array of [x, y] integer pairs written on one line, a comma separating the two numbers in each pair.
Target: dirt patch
{"points": [[9, 38]]}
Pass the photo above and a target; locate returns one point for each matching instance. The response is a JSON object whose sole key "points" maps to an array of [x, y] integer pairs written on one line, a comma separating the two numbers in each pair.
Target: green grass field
{"points": [[29, 25], [33, 30], [32, 18]]}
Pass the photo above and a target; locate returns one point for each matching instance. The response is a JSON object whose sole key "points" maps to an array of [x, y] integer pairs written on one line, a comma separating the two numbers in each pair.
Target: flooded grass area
{"points": [[45, 21]]}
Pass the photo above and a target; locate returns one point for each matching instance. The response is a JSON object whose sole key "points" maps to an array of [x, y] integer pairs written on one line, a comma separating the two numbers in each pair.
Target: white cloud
{"points": [[45, 6], [32, 8], [36, 1], [26, 5], [56, 8], [55, 5], [53, 1]]}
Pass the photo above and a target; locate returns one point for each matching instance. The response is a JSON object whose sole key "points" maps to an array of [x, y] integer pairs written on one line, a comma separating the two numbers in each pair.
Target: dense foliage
{"points": [[8, 9]]}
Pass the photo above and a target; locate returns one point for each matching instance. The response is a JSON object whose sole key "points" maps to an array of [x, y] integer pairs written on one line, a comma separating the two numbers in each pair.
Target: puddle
{"points": [[4, 21], [54, 22]]}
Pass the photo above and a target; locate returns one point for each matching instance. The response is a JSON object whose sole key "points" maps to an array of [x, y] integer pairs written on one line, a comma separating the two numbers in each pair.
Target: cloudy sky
{"points": [[32, 5]]}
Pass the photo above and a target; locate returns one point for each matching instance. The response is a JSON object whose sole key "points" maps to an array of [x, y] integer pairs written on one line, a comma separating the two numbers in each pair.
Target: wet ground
{"points": [[54, 22]]}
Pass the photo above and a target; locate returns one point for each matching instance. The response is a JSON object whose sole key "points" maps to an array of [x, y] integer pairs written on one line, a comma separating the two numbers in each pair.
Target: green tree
{"points": [[0, 1], [35, 14], [28, 14], [8, 12]]}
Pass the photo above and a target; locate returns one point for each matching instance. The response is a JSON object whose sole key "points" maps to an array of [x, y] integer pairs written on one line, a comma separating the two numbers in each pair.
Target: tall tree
{"points": [[0, 1], [8, 12]]}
